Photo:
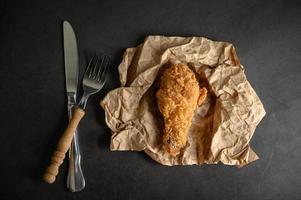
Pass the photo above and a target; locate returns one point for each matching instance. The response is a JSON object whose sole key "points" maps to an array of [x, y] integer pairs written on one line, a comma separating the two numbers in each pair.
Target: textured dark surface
{"points": [[267, 36]]}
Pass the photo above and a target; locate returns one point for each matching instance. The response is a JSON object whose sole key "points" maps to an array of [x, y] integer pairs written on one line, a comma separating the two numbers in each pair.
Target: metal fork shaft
{"points": [[75, 179]]}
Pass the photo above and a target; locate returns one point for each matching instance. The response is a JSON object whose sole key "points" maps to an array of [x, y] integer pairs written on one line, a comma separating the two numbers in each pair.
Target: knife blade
{"points": [[75, 179], [71, 63]]}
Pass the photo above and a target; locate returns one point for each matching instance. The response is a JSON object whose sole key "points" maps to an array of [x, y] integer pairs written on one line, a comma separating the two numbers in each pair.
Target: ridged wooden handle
{"points": [[63, 146]]}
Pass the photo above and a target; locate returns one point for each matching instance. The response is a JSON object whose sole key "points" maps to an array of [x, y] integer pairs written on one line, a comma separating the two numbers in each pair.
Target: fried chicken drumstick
{"points": [[177, 98]]}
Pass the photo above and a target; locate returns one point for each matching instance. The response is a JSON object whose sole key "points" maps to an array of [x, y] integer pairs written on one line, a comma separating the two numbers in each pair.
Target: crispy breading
{"points": [[177, 98]]}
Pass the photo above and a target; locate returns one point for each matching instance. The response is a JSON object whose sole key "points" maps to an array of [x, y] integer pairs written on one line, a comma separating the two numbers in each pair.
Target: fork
{"points": [[93, 81]]}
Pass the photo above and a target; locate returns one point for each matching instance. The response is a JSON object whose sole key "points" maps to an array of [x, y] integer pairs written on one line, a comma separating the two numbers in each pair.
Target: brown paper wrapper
{"points": [[222, 126]]}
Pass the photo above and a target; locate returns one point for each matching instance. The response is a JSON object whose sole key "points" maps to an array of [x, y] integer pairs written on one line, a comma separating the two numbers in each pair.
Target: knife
{"points": [[75, 179], [68, 140]]}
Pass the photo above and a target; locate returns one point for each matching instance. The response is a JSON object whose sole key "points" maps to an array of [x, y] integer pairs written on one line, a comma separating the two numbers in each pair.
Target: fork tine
{"points": [[101, 67], [95, 68], [89, 68], [105, 66]]}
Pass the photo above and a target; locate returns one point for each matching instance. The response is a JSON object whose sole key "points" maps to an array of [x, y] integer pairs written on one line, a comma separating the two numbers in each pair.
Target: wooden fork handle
{"points": [[63, 146]]}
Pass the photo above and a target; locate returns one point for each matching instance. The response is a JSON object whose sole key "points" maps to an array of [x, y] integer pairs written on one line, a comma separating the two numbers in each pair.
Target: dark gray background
{"points": [[267, 36]]}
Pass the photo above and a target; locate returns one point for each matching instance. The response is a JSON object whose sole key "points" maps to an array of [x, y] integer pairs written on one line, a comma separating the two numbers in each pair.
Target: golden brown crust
{"points": [[177, 98]]}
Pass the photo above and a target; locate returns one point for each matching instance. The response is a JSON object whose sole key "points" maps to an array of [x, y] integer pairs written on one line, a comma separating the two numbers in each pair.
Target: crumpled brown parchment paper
{"points": [[222, 126]]}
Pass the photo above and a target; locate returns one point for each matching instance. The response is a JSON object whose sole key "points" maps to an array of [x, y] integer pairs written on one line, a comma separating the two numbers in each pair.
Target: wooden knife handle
{"points": [[63, 146]]}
